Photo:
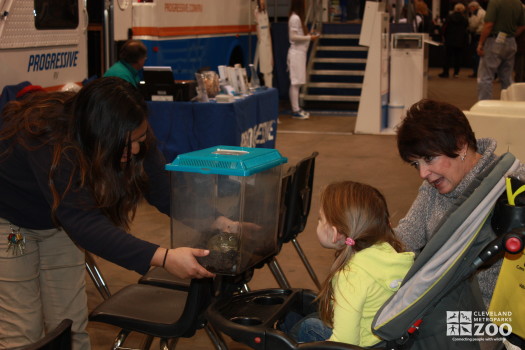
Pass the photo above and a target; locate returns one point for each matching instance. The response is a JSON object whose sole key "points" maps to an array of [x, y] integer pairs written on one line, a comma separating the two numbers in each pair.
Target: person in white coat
{"points": [[299, 43]]}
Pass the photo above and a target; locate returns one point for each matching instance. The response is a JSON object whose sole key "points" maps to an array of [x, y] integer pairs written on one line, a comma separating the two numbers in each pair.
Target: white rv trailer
{"points": [[43, 42], [192, 34]]}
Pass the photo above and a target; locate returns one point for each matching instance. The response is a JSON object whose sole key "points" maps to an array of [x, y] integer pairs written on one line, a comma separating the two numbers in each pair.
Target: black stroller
{"points": [[442, 279]]}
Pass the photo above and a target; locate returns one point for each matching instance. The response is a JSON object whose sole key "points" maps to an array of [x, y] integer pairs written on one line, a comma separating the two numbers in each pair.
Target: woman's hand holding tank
{"points": [[181, 262]]}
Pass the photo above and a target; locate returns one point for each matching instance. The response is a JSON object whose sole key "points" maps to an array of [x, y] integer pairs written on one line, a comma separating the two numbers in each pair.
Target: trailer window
{"points": [[56, 14]]}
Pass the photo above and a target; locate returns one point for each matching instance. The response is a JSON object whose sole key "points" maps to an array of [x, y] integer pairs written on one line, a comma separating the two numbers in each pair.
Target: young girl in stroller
{"points": [[368, 268]]}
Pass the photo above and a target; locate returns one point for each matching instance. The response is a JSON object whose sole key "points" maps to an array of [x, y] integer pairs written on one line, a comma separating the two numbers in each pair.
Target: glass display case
{"points": [[226, 199]]}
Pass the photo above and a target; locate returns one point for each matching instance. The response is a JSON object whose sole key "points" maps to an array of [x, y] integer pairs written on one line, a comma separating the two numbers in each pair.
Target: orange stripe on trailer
{"points": [[202, 30]]}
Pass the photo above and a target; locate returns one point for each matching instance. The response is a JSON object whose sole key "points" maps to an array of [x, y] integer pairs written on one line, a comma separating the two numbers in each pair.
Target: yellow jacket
{"points": [[361, 288]]}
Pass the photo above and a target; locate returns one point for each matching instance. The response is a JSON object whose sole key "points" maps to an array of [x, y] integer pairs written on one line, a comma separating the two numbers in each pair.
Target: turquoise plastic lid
{"points": [[227, 160]]}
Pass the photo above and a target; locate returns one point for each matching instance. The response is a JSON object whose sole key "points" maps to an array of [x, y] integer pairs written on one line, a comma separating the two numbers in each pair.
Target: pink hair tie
{"points": [[349, 241]]}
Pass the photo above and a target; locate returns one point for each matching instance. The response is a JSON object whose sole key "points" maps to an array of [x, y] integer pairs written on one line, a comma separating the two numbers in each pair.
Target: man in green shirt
{"points": [[132, 57], [504, 21]]}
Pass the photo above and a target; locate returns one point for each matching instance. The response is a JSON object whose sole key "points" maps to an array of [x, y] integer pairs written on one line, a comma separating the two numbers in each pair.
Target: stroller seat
{"points": [[252, 318]]}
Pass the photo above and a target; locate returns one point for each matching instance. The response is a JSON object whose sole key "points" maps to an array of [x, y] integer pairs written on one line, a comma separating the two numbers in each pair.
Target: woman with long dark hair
{"points": [[73, 169]]}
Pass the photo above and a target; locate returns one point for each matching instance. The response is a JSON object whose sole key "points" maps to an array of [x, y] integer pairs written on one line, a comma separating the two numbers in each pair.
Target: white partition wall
{"points": [[372, 114]]}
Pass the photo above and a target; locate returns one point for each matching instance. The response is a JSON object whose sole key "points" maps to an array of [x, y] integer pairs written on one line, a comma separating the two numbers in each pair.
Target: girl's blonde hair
{"points": [[358, 211]]}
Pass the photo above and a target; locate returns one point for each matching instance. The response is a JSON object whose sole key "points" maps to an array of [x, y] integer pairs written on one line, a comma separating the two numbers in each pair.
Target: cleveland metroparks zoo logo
{"points": [[478, 323]]}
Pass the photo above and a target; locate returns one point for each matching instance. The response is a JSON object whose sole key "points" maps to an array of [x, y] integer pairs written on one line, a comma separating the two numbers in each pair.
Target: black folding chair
{"points": [[159, 277], [166, 313], [297, 201]]}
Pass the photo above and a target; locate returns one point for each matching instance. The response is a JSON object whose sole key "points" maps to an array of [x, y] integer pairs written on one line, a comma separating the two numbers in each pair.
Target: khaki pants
{"points": [[41, 287]]}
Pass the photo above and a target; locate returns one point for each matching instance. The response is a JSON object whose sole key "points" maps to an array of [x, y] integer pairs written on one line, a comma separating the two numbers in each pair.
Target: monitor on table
{"points": [[159, 84]]}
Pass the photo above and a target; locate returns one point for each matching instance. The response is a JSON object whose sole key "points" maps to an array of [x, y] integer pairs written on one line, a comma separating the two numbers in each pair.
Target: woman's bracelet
{"points": [[165, 256]]}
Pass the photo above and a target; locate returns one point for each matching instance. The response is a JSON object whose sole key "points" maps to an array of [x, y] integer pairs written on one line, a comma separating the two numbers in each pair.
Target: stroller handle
{"points": [[512, 242]]}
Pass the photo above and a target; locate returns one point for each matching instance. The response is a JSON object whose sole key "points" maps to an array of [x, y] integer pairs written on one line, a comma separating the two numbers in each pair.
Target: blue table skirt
{"points": [[183, 127]]}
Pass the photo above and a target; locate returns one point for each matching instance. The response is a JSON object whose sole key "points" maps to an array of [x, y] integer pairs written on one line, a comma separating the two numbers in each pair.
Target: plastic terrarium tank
{"points": [[226, 199]]}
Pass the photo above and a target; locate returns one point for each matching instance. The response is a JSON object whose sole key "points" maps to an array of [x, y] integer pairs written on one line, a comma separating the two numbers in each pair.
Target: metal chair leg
{"points": [[120, 339], [215, 337], [278, 273], [96, 276], [306, 263], [245, 288], [168, 344], [147, 342]]}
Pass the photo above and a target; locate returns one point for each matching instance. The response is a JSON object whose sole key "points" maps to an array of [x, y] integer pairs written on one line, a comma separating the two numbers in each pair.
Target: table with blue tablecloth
{"points": [[182, 127]]}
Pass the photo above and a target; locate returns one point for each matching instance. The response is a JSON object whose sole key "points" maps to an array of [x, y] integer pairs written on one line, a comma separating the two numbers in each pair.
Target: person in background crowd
{"points": [[497, 46], [416, 21], [519, 61], [455, 39], [355, 11], [476, 20], [343, 8], [132, 57], [423, 17], [299, 43]]}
